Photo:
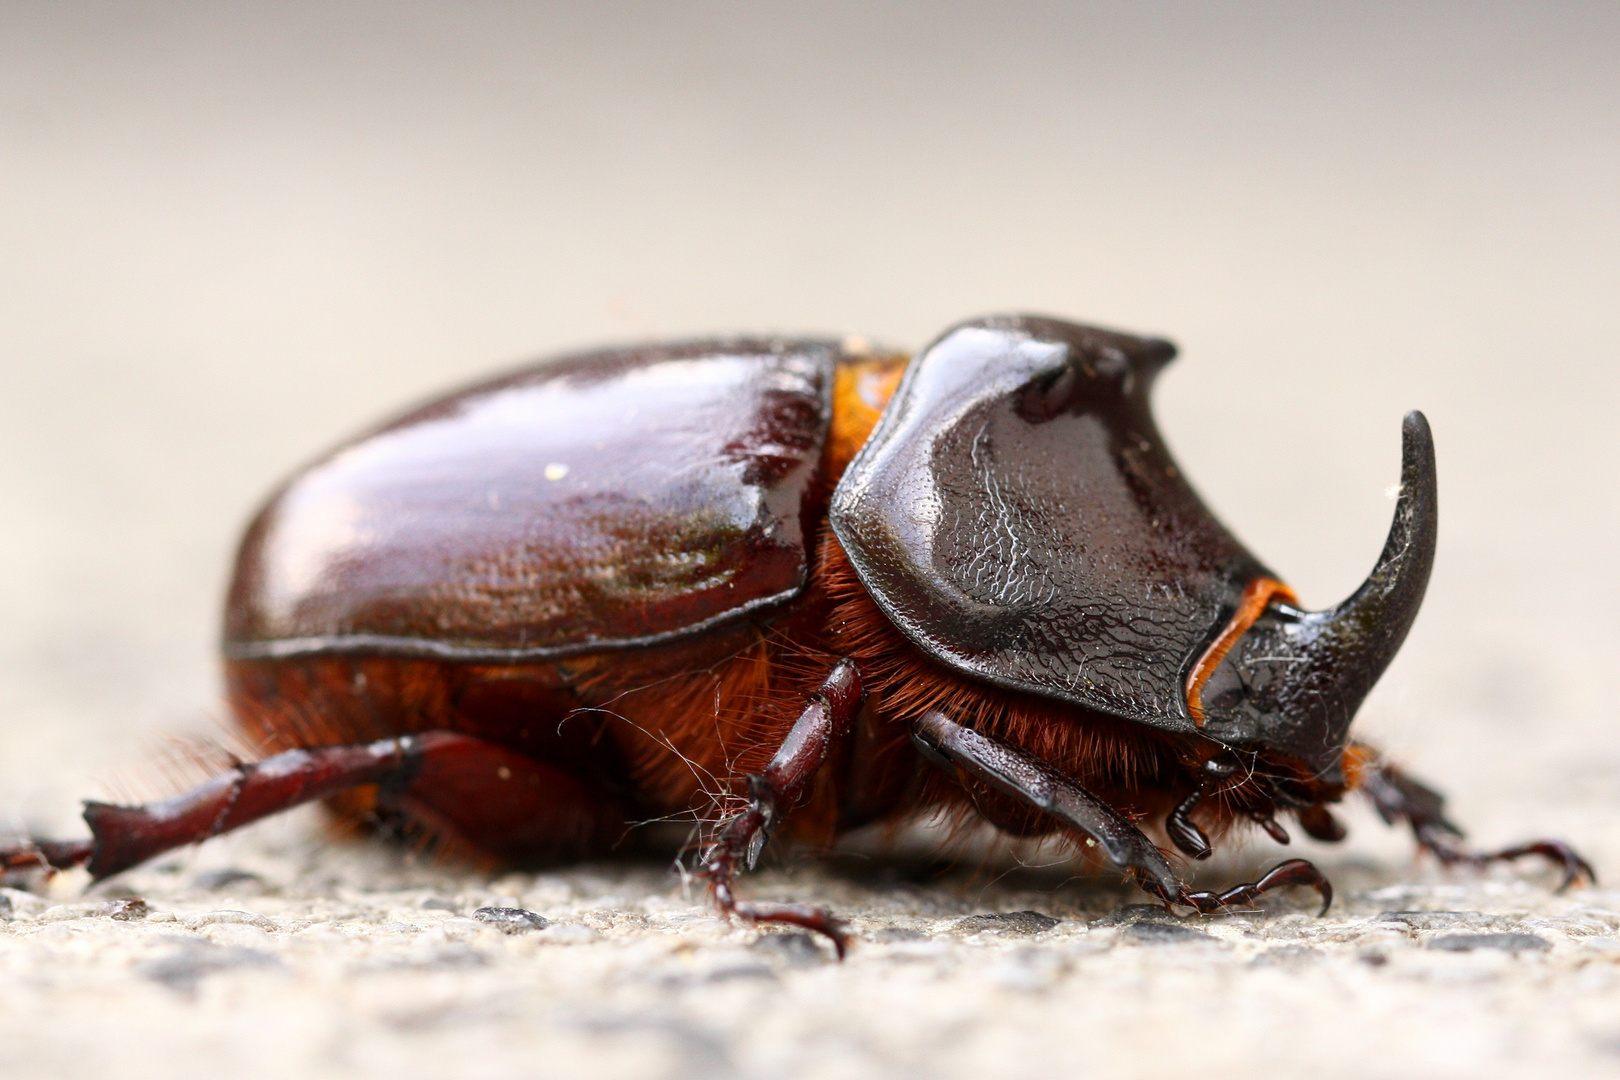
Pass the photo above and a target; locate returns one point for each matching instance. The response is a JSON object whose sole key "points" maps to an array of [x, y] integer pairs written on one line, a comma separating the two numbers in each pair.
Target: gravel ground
{"points": [[276, 955]]}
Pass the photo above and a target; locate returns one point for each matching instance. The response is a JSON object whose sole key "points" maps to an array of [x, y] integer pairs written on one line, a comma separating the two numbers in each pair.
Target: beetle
{"points": [[799, 585]]}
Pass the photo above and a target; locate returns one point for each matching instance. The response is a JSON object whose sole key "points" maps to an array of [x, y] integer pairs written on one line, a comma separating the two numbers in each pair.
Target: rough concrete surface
{"points": [[233, 234], [273, 958]]}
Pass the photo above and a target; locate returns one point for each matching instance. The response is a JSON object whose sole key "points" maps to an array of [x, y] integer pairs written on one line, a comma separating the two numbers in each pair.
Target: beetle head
{"points": [[1294, 681], [1017, 515]]}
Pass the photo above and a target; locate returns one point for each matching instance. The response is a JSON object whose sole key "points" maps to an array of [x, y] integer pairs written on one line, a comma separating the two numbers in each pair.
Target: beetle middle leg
{"points": [[1398, 797], [828, 719], [959, 749]]}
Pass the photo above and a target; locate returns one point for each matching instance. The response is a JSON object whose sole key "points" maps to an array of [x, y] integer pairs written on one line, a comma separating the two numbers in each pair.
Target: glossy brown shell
{"points": [[601, 501], [1018, 516]]}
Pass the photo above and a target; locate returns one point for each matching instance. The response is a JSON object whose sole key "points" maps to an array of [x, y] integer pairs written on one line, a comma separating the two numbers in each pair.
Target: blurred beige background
{"points": [[231, 234]]}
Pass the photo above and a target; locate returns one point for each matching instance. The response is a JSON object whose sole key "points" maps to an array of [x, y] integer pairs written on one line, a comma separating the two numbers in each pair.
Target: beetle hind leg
{"points": [[499, 801], [125, 836], [1398, 797], [50, 856], [737, 843]]}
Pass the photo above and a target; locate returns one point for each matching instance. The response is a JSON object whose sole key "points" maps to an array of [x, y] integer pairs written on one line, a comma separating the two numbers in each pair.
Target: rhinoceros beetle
{"points": [[800, 585]]}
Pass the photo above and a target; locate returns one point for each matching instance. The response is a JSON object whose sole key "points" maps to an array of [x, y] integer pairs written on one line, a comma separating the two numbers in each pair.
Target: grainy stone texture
{"points": [[279, 955]]}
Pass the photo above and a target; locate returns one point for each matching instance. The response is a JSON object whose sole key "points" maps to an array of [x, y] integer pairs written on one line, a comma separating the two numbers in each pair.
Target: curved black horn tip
{"points": [[1417, 458], [1346, 648], [1415, 430], [1159, 350]]}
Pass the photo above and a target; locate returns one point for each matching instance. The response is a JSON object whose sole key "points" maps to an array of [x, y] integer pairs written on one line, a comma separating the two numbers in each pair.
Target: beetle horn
{"points": [[1311, 670], [1361, 635]]}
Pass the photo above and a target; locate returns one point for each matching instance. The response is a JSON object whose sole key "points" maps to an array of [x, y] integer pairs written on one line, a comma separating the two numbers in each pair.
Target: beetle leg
{"points": [[827, 719], [1398, 797], [440, 775], [1266, 820], [1320, 824], [1284, 874], [124, 836], [1030, 780], [1183, 832], [48, 855]]}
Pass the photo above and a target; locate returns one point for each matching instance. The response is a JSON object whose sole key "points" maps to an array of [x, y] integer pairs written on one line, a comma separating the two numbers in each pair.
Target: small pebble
{"points": [[1513, 943], [1010, 922], [799, 950], [1286, 956], [22, 904], [1440, 920], [511, 920], [214, 880], [126, 909], [733, 972], [189, 962], [1160, 933], [244, 918], [1134, 913]]}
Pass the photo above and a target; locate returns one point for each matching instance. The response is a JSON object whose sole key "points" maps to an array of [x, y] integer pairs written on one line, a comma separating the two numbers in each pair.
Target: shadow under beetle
{"points": [[798, 585]]}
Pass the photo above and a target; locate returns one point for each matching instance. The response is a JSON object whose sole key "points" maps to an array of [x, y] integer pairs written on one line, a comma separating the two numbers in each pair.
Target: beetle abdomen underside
{"points": [[593, 502]]}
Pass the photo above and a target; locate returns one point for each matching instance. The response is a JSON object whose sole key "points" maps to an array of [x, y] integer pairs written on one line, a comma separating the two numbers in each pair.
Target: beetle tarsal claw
{"points": [[756, 844], [762, 802], [1281, 876], [815, 919]]}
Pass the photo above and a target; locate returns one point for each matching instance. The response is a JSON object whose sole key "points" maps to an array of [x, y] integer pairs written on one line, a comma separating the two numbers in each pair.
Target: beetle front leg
{"points": [[1399, 797], [829, 718], [958, 749]]}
